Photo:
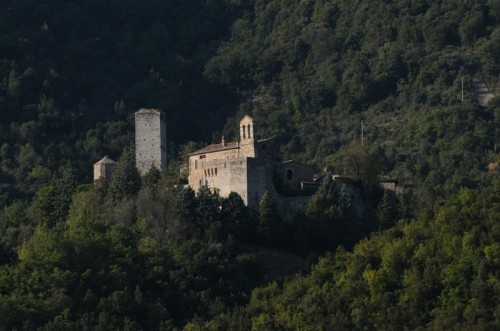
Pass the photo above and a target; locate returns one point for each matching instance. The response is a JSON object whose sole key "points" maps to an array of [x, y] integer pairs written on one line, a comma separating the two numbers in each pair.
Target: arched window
{"points": [[196, 164], [243, 132], [249, 134], [289, 174]]}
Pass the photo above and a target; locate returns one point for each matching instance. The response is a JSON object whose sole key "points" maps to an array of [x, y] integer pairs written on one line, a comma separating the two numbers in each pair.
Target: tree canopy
{"points": [[360, 88]]}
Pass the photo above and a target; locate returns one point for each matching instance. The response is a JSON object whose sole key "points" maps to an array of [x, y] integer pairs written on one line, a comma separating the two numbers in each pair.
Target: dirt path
{"points": [[481, 92]]}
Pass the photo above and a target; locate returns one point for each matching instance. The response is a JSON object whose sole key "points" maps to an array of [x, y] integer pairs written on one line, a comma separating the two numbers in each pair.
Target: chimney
{"points": [[223, 142]]}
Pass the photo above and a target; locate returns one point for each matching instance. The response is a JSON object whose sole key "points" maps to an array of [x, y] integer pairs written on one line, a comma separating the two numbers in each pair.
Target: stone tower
{"points": [[150, 140], [103, 169], [247, 138]]}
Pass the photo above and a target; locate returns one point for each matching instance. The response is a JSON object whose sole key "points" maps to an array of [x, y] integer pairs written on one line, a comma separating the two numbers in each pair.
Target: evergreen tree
{"points": [[186, 204], [126, 180], [236, 217], [151, 178], [270, 223], [65, 185], [208, 208], [51, 203], [387, 211]]}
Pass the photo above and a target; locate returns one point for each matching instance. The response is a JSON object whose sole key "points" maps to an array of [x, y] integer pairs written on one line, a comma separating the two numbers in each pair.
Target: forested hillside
{"points": [[74, 72], [146, 254], [438, 272]]}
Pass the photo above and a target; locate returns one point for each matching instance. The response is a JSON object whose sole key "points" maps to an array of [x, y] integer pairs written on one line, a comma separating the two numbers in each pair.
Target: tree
{"points": [[329, 216], [51, 203], [126, 180], [270, 223], [186, 204], [151, 178], [236, 217], [359, 162], [208, 208], [387, 211]]}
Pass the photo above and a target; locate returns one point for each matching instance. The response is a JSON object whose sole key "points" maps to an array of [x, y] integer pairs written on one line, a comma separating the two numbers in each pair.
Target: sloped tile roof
{"points": [[216, 148], [105, 160]]}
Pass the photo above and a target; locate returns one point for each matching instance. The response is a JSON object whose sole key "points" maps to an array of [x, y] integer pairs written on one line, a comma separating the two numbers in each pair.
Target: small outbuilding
{"points": [[103, 169]]}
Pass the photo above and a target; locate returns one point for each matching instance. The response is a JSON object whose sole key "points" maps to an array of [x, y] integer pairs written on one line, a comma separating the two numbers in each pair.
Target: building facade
{"points": [[246, 166]]}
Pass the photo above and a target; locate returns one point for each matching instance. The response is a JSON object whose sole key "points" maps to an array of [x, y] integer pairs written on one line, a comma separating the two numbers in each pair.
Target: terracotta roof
{"points": [[216, 148], [105, 160], [246, 117]]}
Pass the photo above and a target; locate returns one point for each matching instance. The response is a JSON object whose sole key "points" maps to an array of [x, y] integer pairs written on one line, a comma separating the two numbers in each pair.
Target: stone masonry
{"points": [[245, 167], [150, 140], [103, 169]]}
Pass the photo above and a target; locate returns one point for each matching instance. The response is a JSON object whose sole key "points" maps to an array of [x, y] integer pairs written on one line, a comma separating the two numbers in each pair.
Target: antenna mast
{"points": [[462, 89], [362, 133]]}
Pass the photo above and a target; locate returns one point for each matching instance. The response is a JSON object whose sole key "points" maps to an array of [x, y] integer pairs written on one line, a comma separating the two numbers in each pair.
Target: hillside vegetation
{"points": [[143, 253]]}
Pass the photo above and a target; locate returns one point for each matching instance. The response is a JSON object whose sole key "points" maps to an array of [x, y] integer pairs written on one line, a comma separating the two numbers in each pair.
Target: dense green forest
{"points": [[144, 253]]}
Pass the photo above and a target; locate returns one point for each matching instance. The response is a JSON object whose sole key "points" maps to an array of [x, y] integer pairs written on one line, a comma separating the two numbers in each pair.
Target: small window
{"points": [[215, 172], [202, 157], [289, 174], [243, 130], [196, 164]]}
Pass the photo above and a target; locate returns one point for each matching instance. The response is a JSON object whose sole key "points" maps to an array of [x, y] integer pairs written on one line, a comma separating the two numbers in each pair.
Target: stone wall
{"points": [[150, 140], [248, 177], [247, 137], [200, 163], [227, 175], [294, 173], [259, 181], [103, 171]]}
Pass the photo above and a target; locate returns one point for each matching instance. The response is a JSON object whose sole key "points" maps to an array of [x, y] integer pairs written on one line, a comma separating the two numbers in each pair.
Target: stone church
{"points": [[248, 167]]}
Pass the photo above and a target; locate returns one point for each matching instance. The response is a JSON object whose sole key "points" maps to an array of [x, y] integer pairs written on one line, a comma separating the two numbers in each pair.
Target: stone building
{"points": [[295, 174], [103, 169], [246, 166], [150, 140]]}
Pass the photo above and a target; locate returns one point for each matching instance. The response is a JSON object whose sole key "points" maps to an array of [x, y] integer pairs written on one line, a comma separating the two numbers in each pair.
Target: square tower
{"points": [[150, 140]]}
